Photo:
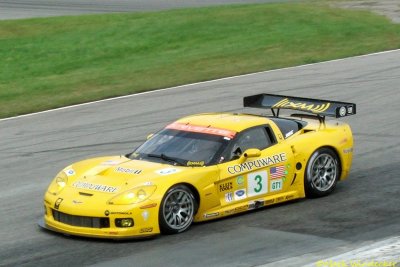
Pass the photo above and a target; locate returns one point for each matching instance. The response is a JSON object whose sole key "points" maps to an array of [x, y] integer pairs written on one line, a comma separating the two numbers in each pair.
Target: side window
{"points": [[252, 138]]}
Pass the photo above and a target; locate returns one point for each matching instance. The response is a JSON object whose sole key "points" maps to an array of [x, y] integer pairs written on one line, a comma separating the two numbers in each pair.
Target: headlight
{"points": [[58, 183], [133, 196]]}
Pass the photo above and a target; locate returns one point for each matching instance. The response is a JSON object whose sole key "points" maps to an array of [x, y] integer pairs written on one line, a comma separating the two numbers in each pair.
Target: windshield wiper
{"points": [[166, 158]]}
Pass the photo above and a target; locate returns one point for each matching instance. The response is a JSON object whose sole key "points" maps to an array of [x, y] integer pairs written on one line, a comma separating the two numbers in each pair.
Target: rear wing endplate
{"points": [[318, 107]]}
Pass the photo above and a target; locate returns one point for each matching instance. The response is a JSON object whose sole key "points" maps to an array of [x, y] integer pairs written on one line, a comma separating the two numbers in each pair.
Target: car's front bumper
{"points": [[95, 222]]}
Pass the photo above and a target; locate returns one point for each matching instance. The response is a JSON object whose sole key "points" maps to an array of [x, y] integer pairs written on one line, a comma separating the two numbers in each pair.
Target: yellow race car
{"points": [[204, 167]]}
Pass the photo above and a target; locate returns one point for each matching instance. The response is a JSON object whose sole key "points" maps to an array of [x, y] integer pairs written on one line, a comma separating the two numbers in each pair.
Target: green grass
{"points": [[52, 62]]}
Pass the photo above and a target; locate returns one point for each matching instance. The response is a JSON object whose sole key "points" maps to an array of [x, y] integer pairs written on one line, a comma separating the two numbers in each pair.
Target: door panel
{"points": [[256, 178]]}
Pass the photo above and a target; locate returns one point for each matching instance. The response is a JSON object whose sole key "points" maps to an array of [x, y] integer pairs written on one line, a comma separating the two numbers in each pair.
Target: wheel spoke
{"points": [[179, 196], [171, 219]]}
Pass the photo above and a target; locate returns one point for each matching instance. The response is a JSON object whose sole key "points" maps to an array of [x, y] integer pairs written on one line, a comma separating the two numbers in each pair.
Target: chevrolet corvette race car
{"points": [[204, 167]]}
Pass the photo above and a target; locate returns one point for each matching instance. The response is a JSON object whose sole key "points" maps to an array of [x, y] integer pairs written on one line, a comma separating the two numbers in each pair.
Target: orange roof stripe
{"points": [[201, 129]]}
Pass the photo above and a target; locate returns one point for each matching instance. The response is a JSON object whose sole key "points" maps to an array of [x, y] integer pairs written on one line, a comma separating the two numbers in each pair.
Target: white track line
{"points": [[383, 253], [190, 84]]}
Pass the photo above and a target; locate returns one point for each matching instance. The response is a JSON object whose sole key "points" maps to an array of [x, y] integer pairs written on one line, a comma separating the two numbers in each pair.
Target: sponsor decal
{"points": [[148, 206], [229, 197], [146, 230], [285, 103], [279, 199], [350, 110], [240, 194], [77, 201], [348, 150], [225, 186], [195, 163], [342, 111], [256, 164], [58, 203], [201, 129], [167, 171], [343, 141], [145, 215], [256, 204], [277, 172], [276, 185], [95, 187], [107, 213], [289, 134], [240, 180], [110, 163], [242, 208], [211, 215], [269, 202], [127, 170], [257, 183], [289, 197], [229, 212], [69, 172], [112, 233]]}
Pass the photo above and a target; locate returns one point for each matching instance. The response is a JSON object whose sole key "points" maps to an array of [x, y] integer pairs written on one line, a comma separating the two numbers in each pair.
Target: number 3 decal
{"points": [[258, 179], [257, 183]]}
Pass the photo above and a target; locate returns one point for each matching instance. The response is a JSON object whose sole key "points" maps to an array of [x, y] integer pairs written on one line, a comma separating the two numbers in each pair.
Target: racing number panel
{"points": [[256, 177]]}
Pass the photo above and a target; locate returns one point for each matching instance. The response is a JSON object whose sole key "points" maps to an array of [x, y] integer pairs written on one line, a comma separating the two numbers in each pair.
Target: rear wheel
{"points": [[177, 210], [322, 173]]}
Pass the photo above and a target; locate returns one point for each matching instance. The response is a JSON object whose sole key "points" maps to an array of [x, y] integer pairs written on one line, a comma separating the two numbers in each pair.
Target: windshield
{"points": [[182, 148]]}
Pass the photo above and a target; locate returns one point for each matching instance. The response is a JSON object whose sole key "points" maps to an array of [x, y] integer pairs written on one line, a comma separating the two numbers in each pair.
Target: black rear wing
{"points": [[318, 107]]}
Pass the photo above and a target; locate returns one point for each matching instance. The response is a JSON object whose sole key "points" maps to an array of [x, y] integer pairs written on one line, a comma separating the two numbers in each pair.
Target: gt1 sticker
{"points": [[228, 197], [276, 185], [240, 194], [257, 183], [167, 171]]}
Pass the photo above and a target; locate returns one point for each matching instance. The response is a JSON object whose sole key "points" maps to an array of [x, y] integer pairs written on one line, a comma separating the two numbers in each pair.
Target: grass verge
{"points": [[52, 62]]}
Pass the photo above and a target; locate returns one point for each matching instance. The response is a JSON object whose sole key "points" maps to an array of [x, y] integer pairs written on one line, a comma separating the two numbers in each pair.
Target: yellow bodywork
{"points": [[117, 187]]}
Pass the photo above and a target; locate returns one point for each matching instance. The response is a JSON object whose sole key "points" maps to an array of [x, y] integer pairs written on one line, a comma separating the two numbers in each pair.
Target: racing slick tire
{"points": [[177, 210], [322, 173]]}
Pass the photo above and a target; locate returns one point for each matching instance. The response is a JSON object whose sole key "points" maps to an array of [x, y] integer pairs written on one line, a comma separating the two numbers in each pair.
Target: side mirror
{"points": [[150, 136], [252, 153]]}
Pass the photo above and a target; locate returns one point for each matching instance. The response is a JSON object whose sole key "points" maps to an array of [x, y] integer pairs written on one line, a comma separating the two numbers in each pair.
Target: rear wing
{"points": [[318, 107]]}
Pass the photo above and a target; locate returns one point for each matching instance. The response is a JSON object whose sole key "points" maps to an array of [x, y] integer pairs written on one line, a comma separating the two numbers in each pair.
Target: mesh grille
{"points": [[81, 221]]}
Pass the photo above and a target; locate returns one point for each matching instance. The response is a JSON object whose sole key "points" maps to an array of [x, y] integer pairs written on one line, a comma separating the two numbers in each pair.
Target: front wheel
{"points": [[322, 173], [177, 210]]}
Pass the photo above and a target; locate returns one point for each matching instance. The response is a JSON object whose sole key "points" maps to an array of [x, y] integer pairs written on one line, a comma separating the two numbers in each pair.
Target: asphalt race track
{"points": [[14, 9], [363, 209]]}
